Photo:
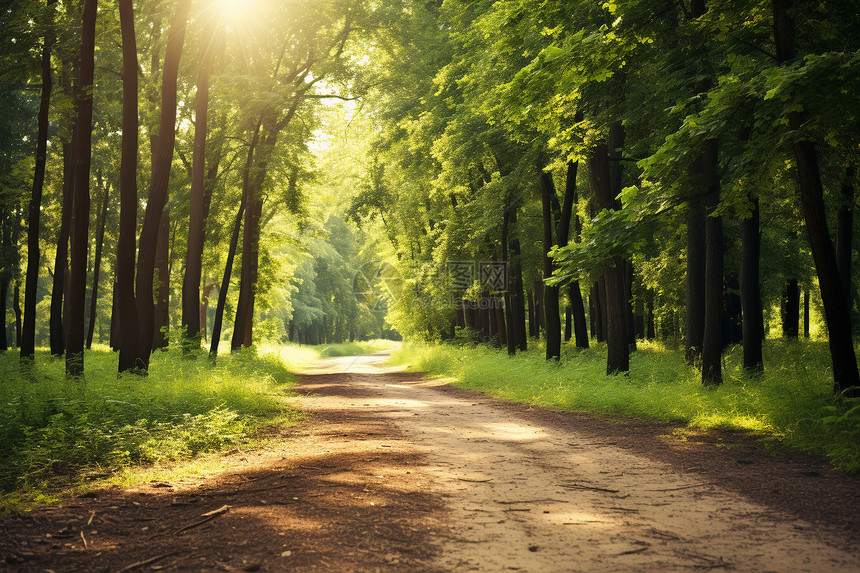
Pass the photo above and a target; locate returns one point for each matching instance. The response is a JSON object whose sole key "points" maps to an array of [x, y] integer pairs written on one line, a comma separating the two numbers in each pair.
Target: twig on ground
{"points": [[685, 487], [475, 480], [146, 562], [633, 551], [531, 501], [209, 516], [590, 487], [92, 515], [86, 545]]}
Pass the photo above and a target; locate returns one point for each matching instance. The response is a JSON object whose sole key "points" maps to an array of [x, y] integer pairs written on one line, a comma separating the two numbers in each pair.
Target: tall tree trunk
{"points": [[532, 315], [197, 218], [833, 297], [844, 228], [605, 181], [128, 335], [159, 180], [28, 341], [694, 328], [510, 315], [577, 309], [791, 309], [4, 297], [61, 259], [712, 341], [753, 318], [225, 284], [97, 263], [650, 328], [806, 313], [518, 299], [16, 307], [81, 213], [551, 310], [162, 292]]}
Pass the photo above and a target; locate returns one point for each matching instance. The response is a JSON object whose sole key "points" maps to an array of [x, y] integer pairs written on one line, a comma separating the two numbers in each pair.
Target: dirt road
{"points": [[527, 497], [393, 472]]}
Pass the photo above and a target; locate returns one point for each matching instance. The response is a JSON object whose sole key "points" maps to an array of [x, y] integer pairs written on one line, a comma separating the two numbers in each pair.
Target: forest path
{"points": [[524, 495], [393, 472]]}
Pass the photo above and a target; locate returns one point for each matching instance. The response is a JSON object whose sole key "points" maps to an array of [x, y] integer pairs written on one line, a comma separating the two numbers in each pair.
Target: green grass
{"points": [[356, 348], [57, 434], [791, 403]]}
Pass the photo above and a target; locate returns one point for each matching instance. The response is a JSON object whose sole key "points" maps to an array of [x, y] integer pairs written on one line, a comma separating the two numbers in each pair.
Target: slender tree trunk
{"points": [[604, 182], [532, 315], [551, 310], [577, 309], [97, 263], [651, 328], [81, 213], [712, 341], [28, 341], [791, 311], [16, 307], [844, 228], [4, 297], [694, 329], [128, 335], [61, 260], [197, 219], [160, 337], [148, 244], [510, 315], [518, 299], [753, 318], [806, 313], [568, 323], [225, 284], [833, 297]]}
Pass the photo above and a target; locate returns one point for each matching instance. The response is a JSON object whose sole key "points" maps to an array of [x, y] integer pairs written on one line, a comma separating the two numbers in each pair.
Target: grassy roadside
{"points": [[790, 403], [60, 436]]}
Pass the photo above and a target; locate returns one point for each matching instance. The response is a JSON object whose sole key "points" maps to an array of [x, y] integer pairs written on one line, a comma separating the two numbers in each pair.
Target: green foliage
{"points": [[790, 404], [54, 431]]}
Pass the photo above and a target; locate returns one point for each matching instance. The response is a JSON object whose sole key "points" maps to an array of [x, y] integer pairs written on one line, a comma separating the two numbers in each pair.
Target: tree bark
{"points": [[198, 210], [712, 341], [791, 309], [605, 183], [753, 318], [81, 211], [28, 339], [163, 157], [128, 335], [225, 284], [550, 297], [61, 259], [806, 313], [577, 309], [844, 229], [161, 328], [694, 327], [97, 263], [833, 297]]}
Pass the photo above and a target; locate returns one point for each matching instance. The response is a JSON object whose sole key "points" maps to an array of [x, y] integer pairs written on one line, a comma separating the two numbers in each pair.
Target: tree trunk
{"points": [[4, 297], [791, 309], [510, 319], [605, 181], [712, 341], [550, 297], [225, 284], [518, 300], [580, 328], [753, 318], [532, 315], [128, 335], [694, 328], [16, 307], [806, 313], [97, 263], [81, 212], [844, 228], [61, 259], [161, 284], [163, 157], [651, 328], [28, 340], [198, 210], [833, 297], [577, 309]]}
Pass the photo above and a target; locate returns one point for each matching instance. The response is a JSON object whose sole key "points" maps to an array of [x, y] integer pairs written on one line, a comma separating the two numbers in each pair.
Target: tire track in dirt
{"points": [[524, 496]]}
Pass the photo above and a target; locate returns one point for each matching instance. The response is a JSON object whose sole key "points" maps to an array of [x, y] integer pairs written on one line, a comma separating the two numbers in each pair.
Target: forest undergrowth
{"points": [[790, 405], [59, 435]]}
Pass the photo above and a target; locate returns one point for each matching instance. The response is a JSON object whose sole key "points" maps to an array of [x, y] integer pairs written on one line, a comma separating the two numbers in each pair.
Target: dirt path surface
{"points": [[392, 472]]}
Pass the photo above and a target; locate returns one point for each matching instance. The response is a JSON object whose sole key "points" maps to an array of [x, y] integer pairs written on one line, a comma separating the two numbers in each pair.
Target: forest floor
{"points": [[391, 471]]}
